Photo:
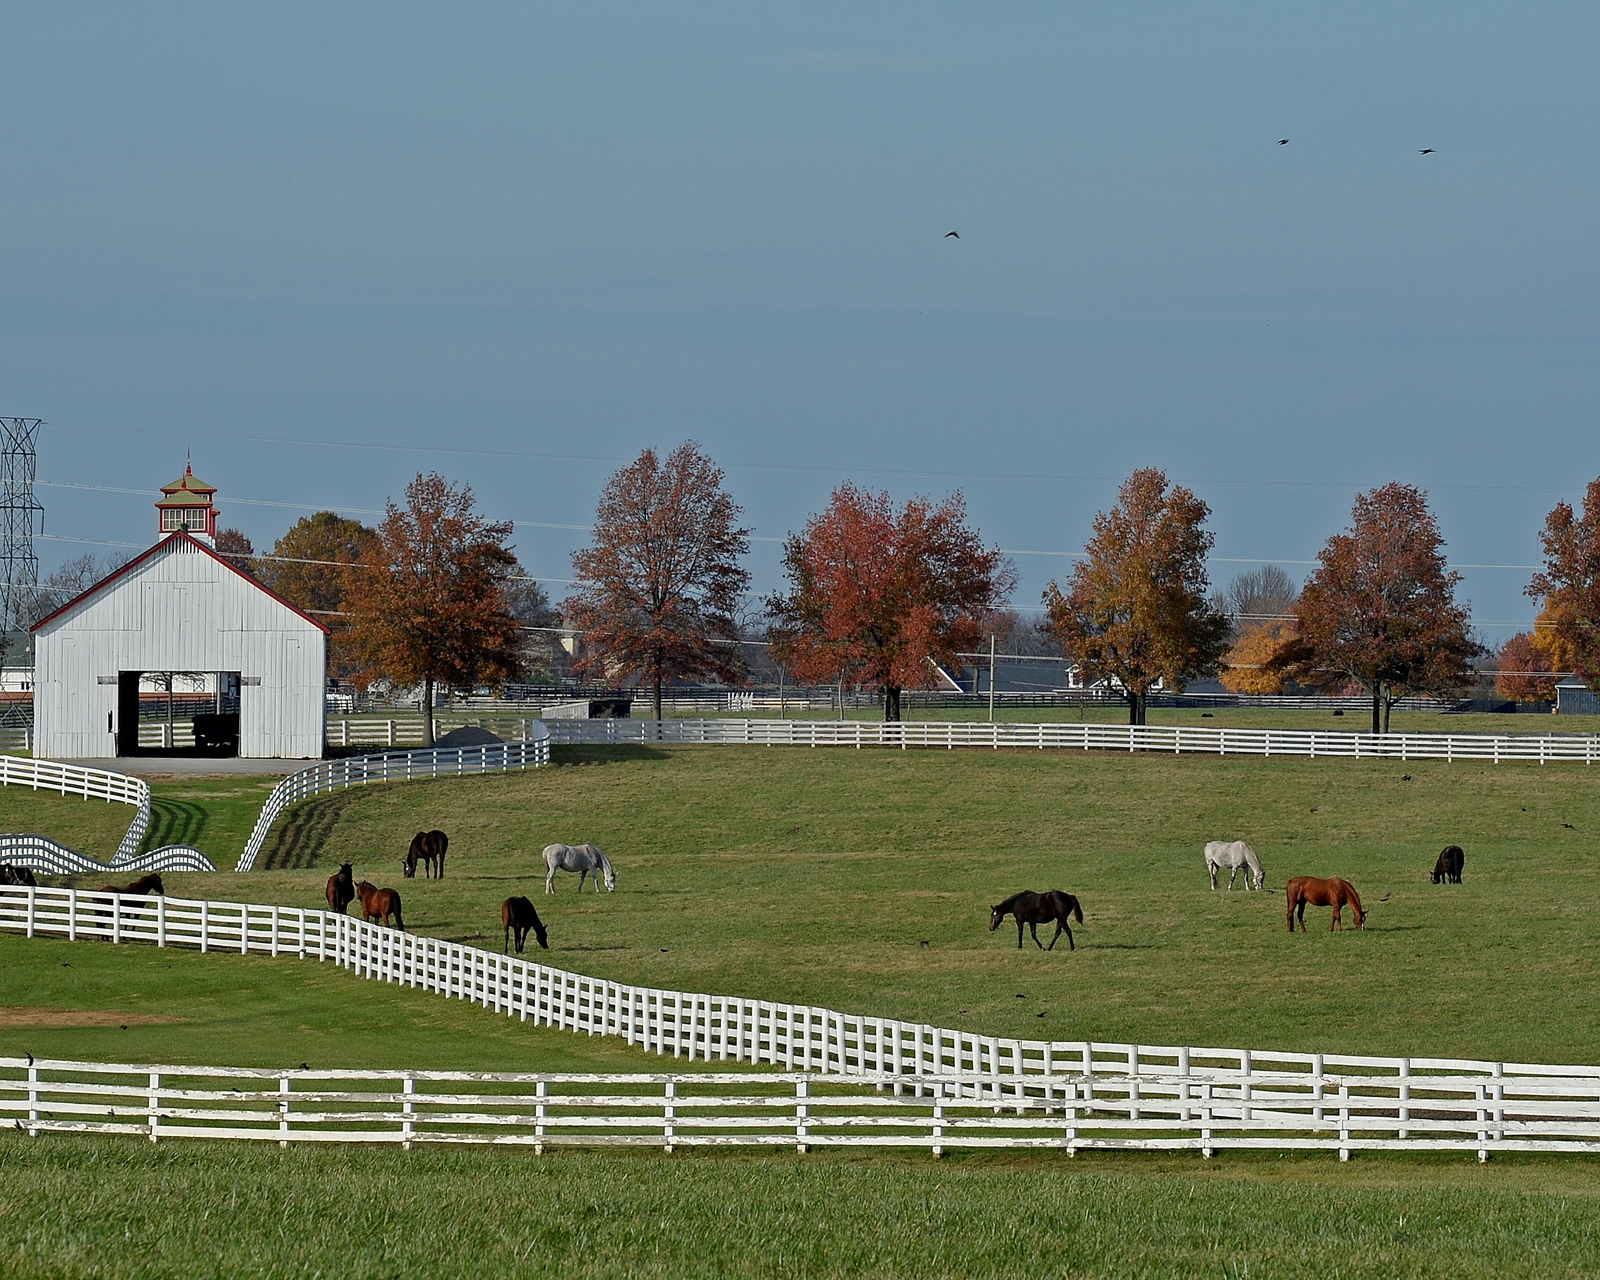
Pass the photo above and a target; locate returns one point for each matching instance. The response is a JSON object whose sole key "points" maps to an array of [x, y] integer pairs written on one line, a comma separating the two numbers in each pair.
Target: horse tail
{"points": [[1077, 909]]}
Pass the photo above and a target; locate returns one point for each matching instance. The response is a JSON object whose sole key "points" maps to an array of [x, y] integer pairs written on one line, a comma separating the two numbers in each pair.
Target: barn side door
{"points": [[128, 712]]}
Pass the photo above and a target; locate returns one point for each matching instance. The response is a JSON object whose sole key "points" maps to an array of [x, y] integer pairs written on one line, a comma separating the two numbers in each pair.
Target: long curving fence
{"points": [[1066, 736], [1093, 1094], [390, 766]]}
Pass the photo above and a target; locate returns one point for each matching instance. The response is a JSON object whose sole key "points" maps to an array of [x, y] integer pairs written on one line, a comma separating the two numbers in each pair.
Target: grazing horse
{"points": [[518, 915], [143, 885], [341, 890], [1448, 868], [380, 904], [1034, 909], [585, 859], [1323, 893], [1234, 854], [16, 875], [425, 847]]}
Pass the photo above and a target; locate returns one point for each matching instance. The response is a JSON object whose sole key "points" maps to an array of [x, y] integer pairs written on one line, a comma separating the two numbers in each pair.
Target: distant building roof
{"points": [[187, 490]]}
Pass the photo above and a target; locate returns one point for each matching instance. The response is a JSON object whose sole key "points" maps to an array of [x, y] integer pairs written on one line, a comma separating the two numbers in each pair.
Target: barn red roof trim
{"points": [[163, 545]]}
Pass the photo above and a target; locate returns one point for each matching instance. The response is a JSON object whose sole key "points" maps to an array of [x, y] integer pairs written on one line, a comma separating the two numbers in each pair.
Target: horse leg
{"points": [[550, 881], [1033, 928], [1212, 868], [1338, 910], [1019, 933], [1233, 874], [506, 946]]}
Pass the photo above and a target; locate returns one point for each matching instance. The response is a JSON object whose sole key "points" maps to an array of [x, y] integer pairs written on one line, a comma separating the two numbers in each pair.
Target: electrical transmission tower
{"points": [[19, 513]]}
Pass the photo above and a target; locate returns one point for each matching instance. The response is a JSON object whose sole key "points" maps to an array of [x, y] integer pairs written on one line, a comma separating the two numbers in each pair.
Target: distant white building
{"points": [[183, 611]]}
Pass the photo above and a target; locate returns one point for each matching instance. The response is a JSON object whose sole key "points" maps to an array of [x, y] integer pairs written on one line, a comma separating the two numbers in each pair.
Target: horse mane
{"points": [[1012, 900]]}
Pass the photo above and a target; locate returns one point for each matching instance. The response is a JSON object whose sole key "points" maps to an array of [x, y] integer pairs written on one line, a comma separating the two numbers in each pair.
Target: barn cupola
{"points": [[187, 503]]}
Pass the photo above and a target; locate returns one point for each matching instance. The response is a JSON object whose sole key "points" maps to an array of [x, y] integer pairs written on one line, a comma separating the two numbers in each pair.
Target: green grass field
{"points": [[815, 876], [94, 1207]]}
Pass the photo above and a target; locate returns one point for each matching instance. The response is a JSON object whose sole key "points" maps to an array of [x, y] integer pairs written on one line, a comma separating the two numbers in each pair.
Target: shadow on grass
{"points": [[175, 822], [605, 755], [302, 833]]}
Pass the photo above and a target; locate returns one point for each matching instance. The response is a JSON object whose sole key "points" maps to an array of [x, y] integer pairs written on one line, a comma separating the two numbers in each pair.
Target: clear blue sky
{"points": [[517, 243]]}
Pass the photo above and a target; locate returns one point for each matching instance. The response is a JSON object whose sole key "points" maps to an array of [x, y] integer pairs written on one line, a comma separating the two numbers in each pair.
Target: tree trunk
{"points": [[891, 704], [655, 696], [1388, 703], [427, 711], [1377, 708], [1137, 703]]}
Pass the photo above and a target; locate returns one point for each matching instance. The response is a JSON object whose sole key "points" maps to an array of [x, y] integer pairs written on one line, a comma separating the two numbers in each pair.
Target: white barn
{"points": [[179, 607]]}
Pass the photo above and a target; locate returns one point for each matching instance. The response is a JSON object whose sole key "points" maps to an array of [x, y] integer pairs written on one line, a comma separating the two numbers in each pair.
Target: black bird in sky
{"points": [[1283, 142], [1425, 151], [948, 234]]}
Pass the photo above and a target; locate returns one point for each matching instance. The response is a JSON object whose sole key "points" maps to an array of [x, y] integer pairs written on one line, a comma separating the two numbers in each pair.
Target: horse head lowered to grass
{"points": [[1034, 909], [1310, 890]]}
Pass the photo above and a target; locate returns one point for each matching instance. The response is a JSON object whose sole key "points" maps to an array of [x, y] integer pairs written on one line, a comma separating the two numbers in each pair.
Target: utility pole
{"points": [[991, 677]]}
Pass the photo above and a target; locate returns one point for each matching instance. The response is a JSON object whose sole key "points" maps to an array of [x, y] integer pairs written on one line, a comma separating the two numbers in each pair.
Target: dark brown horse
{"points": [[425, 847], [16, 875], [1323, 893], [1448, 868], [143, 885], [341, 889], [380, 904], [1034, 909], [518, 915]]}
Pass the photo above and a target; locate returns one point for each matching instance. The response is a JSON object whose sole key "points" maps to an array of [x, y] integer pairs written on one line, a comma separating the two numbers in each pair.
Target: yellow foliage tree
{"points": [[1549, 638], [1244, 669]]}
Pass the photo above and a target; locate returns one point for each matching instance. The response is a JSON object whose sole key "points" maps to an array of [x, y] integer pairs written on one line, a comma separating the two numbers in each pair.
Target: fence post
{"points": [[274, 931], [283, 1111], [161, 920], [1206, 1148], [1405, 1096], [205, 926], [1499, 1101], [33, 894], [802, 1113], [668, 1113], [938, 1120], [116, 918], [155, 1105], [33, 1102], [72, 915], [1344, 1120], [244, 928], [408, 1109]]}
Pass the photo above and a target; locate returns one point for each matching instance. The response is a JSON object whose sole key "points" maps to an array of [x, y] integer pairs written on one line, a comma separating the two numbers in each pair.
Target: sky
{"points": [[322, 248]]}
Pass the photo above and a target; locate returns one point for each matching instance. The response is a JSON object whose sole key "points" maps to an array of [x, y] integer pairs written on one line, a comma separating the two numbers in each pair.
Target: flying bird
{"points": [[1283, 142], [948, 234], [1425, 151]]}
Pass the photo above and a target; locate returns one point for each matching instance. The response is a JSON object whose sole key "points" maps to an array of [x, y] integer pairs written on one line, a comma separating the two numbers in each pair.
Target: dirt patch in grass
{"points": [[14, 1016]]}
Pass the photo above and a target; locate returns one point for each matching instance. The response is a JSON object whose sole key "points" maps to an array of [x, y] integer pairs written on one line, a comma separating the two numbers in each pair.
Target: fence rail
{"points": [[1337, 1111], [74, 780], [1075, 1094], [399, 766], [1172, 740]]}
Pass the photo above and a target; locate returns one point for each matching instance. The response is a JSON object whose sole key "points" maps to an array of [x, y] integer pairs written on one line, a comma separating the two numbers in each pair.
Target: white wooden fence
{"points": [[359, 731], [39, 852], [1172, 740], [396, 766], [1072, 1094]]}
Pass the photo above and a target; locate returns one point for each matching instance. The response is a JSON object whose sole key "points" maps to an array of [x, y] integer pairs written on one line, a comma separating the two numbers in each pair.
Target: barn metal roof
{"points": [[167, 544], [188, 490]]}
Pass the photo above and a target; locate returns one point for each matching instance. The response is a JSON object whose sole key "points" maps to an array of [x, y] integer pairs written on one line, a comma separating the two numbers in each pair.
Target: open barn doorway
{"points": [[178, 713]]}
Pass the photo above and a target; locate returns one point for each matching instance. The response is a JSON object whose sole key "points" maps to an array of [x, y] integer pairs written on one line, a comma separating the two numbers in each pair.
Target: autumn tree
{"points": [[658, 592], [1570, 585], [1380, 608], [309, 566], [1523, 665], [1258, 604], [1135, 608], [877, 596], [428, 596]]}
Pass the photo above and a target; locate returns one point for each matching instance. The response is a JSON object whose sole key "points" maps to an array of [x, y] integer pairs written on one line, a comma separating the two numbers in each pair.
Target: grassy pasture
{"points": [[85, 1206], [815, 876]]}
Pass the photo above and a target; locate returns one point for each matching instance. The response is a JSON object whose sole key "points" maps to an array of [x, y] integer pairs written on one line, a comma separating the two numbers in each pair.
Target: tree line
{"points": [[887, 597]]}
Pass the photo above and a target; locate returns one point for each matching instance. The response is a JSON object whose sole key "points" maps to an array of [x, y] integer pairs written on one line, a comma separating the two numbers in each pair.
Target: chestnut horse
{"points": [[1323, 893], [380, 904], [341, 889], [518, 916], [425, 847], [1034, 909]]}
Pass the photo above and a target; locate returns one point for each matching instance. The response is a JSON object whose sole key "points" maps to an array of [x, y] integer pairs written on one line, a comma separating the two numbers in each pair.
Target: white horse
{"points": [[585, 859], [1233, 854]]}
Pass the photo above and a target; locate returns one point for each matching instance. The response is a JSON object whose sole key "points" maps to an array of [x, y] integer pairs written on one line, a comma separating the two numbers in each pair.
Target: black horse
{"points": [[16, 875], [425, 847], [1448, 869], [1034, 909], [518, 916]]}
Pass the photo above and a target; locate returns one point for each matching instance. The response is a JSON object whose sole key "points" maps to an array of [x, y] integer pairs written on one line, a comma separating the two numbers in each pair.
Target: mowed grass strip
{"points": [[105, 1207], [817, 876]]}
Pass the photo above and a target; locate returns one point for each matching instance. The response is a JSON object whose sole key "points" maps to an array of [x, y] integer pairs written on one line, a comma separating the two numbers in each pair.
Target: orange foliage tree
{"points": [[1520, 662], [1570, 585], [1381, 608], [1136, 607], [658, 592], [877, 596], [1247, 666], [309, 567], [428, 595], [1258, 605]]}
